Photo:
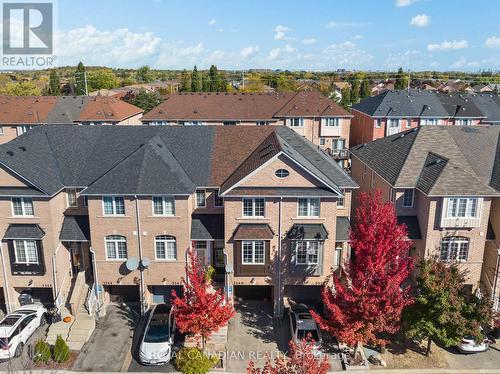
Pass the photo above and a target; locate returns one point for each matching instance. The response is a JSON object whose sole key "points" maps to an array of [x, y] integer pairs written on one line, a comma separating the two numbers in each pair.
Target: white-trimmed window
{"points": [[163, 206], [393, 123], [23, 129], [262, 123], [253, 252], [308, 207], [281, 173], [201, 199], [116, 247], [340, 200], [26, 252], [454, 248], [307, 252], [332, 122], [462, 207], [253, 207], [165, 248], [218, 201], [296, 122], [321, 141], [378, 123], [71, 198], [113, 205], [430, 121], [22, 206], [408, 198], [408, 123], [463, 122]]}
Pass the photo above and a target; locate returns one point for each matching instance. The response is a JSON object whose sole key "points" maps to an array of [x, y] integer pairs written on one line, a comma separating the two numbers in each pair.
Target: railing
{"points": [[340, 154], [92, 304]]}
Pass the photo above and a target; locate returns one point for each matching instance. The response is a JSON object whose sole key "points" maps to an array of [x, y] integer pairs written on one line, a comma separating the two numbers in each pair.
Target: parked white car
{"points": [[158, 341], [17, 327], [303, 325], [469, 345]]}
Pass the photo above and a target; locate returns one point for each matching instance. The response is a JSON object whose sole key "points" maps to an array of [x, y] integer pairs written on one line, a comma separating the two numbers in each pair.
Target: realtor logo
{"points": [[27, 28]]}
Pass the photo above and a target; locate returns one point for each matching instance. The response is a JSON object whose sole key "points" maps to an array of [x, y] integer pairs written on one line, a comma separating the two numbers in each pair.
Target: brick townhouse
{"points": [[309, 113], [445, 183], [119, 206], [398, 110], [18, 114]]}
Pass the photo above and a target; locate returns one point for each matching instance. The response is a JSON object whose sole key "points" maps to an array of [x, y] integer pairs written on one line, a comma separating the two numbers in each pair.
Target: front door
{"points": [[76, 258], [201, 251]]}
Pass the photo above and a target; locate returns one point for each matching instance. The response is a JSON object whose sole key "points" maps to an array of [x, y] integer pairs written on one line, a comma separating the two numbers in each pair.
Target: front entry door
{"points": [[76, 258], [201, 251]]}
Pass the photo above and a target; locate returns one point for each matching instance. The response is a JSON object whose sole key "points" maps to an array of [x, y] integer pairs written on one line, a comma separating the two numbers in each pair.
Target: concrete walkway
{"points": [[111, 341]]}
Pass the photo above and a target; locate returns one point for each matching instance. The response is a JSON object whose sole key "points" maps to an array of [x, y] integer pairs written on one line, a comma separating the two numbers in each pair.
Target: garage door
{"points": [[304, 293], [163, 294], [254, 292], [41, 295], [126, 294]]}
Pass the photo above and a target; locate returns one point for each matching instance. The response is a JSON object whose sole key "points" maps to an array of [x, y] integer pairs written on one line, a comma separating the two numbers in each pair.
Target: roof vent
{"points": [[22, 148], [10, 153]]}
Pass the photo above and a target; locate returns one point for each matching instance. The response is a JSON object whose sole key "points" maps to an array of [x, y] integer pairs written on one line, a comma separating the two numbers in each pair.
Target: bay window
{"points": [[462, 207], [253, 252], [26, 252], [307, 252]]}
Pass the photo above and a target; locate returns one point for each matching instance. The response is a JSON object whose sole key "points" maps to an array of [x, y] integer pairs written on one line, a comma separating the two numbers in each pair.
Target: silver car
{"points": [[158, 341], [303, 325]]}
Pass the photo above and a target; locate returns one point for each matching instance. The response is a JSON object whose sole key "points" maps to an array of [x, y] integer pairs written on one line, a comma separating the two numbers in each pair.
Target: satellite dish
{"points": [[145, 262], [132, 263], [229, 268]]}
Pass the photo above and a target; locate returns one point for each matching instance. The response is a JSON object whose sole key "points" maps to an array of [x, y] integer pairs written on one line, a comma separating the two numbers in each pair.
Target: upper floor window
{"points": [[307, 252], [463, 122], [218, 201], [163, 206], [332, 122], [454, 248], [116, 247], [393, 122], [378, 123], [430, 121], [253, 207], [321, 141], [22, 206], [296, 122], [408, 198], [253, 252], [194, 123], [338, 143], [113, 205], [341, 201], [201, 200], [408, 123], [165, 248], [23, 129], [262, 123], [26, 252], [72, 198], [282, 173], [308, 207], [229, 123], [462, 207]]}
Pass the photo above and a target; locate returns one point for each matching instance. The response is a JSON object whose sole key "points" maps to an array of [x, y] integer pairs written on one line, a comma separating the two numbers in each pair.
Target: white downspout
{"points": [[6, 282], [55, 289], [280, 296], [139, 243], [96, 279]]}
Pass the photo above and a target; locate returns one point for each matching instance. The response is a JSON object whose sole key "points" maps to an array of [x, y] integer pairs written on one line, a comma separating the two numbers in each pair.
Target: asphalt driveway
{"points": [[489, 359]]}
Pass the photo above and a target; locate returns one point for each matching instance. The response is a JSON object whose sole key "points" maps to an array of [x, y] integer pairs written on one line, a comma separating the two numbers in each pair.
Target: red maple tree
{"points": [[202, 309], [368, 297], [302, 360]]}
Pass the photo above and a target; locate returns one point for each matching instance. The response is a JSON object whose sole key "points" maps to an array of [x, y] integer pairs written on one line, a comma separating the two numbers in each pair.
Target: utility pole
{"points": [[243, 79]]}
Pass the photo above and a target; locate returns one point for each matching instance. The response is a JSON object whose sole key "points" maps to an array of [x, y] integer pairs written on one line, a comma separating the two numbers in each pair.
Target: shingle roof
{"points": [[243, 106], [207, 226], [75, 228], [342, 229], [469, 159], [139, 159], [24, 231], [300, 231], [247, 231], [28, 110], [430, 103]]}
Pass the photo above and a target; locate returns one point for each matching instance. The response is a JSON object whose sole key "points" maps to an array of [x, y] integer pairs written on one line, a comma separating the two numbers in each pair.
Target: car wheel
{"points": [[19, 350]]}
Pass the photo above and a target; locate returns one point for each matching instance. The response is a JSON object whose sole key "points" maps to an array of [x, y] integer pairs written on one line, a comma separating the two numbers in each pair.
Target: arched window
{"points": [[454, 248], [165, 248], [116, 247]]}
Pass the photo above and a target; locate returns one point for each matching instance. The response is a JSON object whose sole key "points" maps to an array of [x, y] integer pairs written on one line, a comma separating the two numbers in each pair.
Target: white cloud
{"points": [[220, 30], [448, 45], [403, 3], [358, 37], [420, 20], [309, 41], [277, 53], [212, 22], [346, 54], [249, 51], [280, 32], [331, 25], [191, 50], [492, 42]]}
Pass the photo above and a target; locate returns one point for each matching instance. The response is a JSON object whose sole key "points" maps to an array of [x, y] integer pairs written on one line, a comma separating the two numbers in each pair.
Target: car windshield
{"points": [[10, 320], [307, 334], [158, 329]]}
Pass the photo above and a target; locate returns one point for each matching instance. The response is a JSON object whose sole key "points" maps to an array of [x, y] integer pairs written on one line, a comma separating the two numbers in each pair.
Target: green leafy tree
{"points": [[102, 79], [61, 350], [41, 352], [346, 97], [196, 83], [401, 80], [185, 81], [365, 89], [144, 99], [442, 311], [80, 86], [54, 87], [21, 89], [144, 74], [253, 83], [128, 81], [205, 83], [213, 75]]}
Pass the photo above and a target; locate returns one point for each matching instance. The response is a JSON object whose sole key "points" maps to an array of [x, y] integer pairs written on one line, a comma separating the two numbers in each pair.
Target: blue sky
{"points": [[293, 34]]}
